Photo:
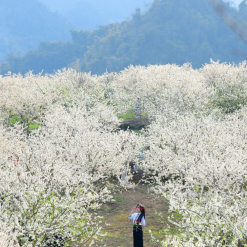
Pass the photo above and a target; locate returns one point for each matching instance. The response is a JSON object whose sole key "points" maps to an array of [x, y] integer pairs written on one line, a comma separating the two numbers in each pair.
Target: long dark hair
{"points": [[142, 209]]}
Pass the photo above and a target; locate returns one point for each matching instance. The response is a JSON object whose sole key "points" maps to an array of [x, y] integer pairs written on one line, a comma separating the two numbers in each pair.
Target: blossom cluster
{"points": [[54, 176]]}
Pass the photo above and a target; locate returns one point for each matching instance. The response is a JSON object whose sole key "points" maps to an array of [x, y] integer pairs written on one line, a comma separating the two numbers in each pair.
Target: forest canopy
{"points": [[171, 31]]}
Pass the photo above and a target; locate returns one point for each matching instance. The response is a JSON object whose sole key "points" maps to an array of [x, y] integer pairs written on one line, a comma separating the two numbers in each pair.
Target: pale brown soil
{"points": [[119, 232]]}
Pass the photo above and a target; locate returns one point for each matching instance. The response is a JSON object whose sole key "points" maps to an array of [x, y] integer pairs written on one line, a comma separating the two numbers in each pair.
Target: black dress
{"points": [[138, 236]]}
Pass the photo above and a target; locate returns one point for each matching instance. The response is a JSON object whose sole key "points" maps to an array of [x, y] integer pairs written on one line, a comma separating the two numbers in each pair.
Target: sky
{"points": [[64, 5], [237, 2], [90, 14]]}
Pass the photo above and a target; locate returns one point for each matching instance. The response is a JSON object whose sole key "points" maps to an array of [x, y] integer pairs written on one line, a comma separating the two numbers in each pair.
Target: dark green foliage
{"points": [[171, 31]]}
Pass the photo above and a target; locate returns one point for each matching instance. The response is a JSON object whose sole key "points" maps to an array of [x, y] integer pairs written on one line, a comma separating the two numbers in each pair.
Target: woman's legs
{"points": [[138, 236]]}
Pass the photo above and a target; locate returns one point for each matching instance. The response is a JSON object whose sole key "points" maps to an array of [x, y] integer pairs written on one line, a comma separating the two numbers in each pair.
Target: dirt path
{"points": [[116, 214]]}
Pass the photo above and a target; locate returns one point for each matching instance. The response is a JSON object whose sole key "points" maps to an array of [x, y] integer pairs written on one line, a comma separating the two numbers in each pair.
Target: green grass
{"points": [[118, 199], [16, 119], [32, 126], [129, 115]]}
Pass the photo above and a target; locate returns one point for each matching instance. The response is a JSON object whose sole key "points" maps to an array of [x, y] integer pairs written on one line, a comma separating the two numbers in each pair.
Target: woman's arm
{"points": [[132, 211], [143, 221]]}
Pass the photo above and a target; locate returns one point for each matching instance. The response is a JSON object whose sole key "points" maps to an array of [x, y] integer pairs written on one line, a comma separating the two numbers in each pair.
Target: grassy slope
{"points": [[119, 232]]}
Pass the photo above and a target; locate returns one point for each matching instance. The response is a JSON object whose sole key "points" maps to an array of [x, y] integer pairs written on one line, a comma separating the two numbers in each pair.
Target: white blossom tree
{"points": [[195, 151]]}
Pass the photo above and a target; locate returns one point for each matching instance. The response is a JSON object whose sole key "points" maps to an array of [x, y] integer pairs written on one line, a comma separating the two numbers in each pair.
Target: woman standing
{"points": [[138, 221]]}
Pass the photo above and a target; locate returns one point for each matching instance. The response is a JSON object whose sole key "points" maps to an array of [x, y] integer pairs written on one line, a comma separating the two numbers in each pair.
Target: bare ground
{"points": [[119, 232]]}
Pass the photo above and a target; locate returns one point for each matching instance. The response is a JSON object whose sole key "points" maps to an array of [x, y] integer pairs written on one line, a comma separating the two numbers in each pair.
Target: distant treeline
{"points": [[23, 24], [171, 31]]}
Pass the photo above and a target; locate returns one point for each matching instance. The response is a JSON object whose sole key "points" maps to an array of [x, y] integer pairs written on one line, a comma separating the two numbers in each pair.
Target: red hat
{"points": [[141, 207]]}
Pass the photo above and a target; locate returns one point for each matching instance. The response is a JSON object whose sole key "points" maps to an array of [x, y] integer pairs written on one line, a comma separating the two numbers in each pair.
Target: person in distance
{"points": [[138, 222]]}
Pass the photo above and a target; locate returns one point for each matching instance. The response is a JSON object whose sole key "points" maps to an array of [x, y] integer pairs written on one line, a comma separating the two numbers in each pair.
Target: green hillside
{"points": [[171, 31], [24, 24]]}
